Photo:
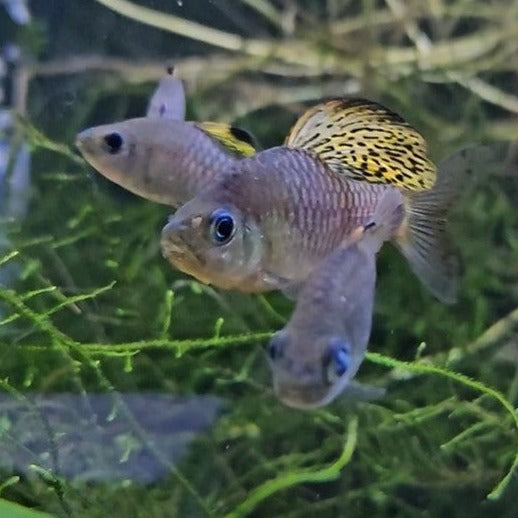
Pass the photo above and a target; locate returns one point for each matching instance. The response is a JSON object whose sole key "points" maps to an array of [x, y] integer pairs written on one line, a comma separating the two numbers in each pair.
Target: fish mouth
{"points": [[171, 241], [172, 248], [302, 396], [84, 141], [176, 250], [87, 144]]}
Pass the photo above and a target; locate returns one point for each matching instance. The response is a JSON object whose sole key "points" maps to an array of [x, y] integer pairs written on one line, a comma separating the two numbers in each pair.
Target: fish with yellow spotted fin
{"points": [[162, 157], [316, 355], [276, 214]]}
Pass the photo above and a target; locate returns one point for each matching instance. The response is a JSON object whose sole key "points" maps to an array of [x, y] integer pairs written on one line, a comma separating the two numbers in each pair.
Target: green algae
{"points": [[289, 479], [88, 306]]}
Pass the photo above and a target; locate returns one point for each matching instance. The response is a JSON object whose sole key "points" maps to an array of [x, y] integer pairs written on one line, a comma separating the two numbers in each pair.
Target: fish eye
{"points": [[337, 359], [275, 346], [222, 226], [113, 143]]}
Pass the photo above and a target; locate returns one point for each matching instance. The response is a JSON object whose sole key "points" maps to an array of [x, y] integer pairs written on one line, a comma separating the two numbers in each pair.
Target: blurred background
{"points": [[128, 388]]}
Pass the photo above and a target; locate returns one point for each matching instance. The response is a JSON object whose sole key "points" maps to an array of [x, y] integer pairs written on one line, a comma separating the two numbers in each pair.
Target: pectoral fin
{"points": [[290, 288]]}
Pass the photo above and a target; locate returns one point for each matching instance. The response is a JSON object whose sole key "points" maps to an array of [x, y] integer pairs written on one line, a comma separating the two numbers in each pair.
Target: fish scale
{"points": [[282, 178]]}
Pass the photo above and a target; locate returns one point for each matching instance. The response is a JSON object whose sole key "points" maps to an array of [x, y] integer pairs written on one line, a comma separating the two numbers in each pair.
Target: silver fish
{"points": [[162, 157], [315, 356]]}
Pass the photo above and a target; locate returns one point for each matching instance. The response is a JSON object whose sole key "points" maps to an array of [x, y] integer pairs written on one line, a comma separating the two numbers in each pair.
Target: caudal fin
{"points": [[422, 238]]}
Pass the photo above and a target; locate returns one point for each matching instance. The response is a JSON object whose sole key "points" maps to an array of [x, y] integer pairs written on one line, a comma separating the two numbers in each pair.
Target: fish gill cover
{"points": [[92, 319]]}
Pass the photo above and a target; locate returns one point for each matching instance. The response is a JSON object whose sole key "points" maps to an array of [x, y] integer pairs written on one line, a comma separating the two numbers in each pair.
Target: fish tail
{"points": [[422, 237], [387, 218]]}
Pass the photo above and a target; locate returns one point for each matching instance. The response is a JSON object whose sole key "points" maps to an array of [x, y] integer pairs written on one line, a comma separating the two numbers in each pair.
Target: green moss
{"points": [[88, 306]]}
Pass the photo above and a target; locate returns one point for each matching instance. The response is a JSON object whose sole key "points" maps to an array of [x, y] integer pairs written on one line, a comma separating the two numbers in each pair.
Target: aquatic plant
{"points": [[88, 307]]}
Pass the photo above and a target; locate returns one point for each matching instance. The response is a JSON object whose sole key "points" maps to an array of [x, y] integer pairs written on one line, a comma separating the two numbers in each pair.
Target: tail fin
{"points": [[387, 217], [422, 238]]}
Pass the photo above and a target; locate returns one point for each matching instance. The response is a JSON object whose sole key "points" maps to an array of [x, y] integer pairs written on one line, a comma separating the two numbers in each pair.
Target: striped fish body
{"points": [[275, 214], [336, 161]]}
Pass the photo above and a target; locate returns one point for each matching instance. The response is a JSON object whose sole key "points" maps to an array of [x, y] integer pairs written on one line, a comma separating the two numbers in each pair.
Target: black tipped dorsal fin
{"points": [[236, 140], [365, 141]]}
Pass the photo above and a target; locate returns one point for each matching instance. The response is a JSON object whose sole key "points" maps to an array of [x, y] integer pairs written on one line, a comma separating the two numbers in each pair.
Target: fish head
{"points": [[114, 149], [138, 154], [310, 371], [215, 242]]}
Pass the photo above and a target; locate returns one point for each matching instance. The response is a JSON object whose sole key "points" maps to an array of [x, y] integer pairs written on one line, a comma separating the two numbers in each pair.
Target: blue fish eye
{"points": [[222, 226], [341, 361], [338, 359], [275, 347]]}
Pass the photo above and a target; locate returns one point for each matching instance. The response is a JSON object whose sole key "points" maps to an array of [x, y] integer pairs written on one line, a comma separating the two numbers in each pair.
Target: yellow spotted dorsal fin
{"points": [[365, 141], [236, 140]]}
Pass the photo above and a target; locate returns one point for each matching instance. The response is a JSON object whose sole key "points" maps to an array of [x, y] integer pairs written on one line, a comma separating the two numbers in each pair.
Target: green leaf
{"points": [[12, 510]]}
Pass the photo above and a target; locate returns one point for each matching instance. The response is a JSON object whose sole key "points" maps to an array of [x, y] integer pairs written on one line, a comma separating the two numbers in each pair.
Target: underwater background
{"points": [[128, 389]]}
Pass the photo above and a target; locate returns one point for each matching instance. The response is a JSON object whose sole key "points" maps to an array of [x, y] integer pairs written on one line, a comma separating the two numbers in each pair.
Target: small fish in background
{"points": [[316, 355], [162, 157], [278, 213]]}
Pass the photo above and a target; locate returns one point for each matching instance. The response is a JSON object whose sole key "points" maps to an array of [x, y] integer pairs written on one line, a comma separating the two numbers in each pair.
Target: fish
{"points": [[162, 157], [276, 214], [316, 355]]}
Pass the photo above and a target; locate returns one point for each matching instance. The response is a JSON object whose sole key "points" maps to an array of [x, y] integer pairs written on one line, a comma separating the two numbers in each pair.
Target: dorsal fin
{"points": [[364, 140], [168, 100], [236, 140]]}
